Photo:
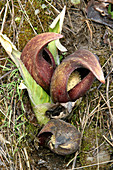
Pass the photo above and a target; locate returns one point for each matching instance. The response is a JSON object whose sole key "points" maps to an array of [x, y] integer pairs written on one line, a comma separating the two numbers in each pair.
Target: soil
{"points": [[79, 33]]}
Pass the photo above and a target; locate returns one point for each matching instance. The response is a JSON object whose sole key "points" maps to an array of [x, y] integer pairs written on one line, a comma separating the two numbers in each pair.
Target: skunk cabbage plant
{"points": [[50, 83], [66, 82], [41, 65]]}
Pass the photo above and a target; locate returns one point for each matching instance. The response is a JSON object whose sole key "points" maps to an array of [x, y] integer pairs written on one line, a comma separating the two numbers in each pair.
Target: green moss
{"points": [[89, 144], [1, 118], [40, 23], [31, 131]]}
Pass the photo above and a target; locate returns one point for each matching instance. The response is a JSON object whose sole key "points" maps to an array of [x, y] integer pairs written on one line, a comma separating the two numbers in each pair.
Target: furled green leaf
{"points": [[37, 95], [56, 27]]}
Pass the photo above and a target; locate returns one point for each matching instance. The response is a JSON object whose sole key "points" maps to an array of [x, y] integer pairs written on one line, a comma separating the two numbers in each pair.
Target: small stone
{"points": [[37, 11], [44, 6]]}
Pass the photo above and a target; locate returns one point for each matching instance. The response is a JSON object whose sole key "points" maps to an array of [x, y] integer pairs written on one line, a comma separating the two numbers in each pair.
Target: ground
{"points": [[18, 125]]}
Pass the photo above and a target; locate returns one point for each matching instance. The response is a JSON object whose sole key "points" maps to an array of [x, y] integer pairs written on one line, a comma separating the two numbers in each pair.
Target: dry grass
{"points": [[94, 117]]}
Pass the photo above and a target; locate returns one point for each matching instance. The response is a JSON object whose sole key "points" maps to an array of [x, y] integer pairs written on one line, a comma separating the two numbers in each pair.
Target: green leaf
{"points": [[56, 27], [37, 95], [109, 11]]}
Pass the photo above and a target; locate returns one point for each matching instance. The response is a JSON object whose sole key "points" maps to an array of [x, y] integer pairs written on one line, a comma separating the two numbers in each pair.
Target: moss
{"points": [[87, 144], [88, 147], [31, 131], [22, 25], [1, 119]]}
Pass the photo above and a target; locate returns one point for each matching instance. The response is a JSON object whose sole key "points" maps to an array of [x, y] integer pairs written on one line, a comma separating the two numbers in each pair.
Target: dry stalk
{"points": [[20, 161], [71, 25], [90, 30], [53, 7], [101, 163], [5, 15], [97, 137], [2, 11], [6, 74], [107, 96], [26, 158], [108, 140], [2, 160], [74, 161]]}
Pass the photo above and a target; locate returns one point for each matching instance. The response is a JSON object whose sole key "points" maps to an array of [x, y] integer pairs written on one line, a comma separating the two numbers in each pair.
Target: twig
{"points": [[110, 132], [52, 7], [107, 103], [88, 116], [71, 25], [1, 11], [2, 162], [6, 74], [4, 154], [27, 159], [10, 121], [90, 30], [108, 141], [13, 22], [101, 163], [107, 96], [107, 61], [20, 162], [93, 150], [74, 161], [110, 58], [70, 162], [4, 19], [69, 30], [96, 135]]}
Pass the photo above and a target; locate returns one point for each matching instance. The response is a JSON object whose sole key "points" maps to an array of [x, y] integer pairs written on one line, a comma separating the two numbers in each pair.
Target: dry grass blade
{"points": [[27, 159], [108, 141], [5, 14], [94, 164], [90, 30], [20, 161], [53, 7], [5, 74], [107, 96]]}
